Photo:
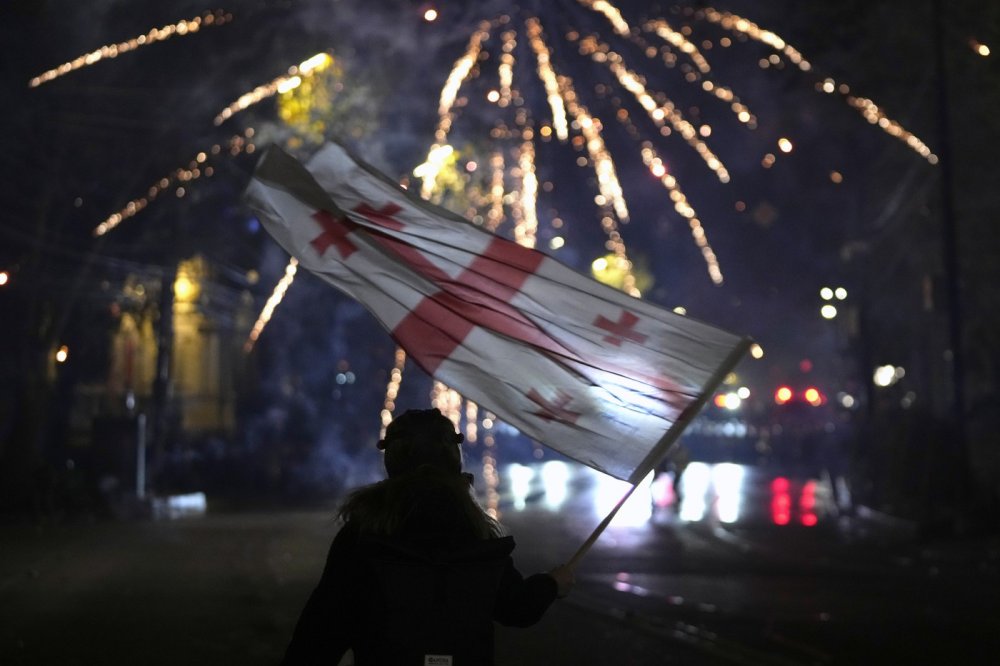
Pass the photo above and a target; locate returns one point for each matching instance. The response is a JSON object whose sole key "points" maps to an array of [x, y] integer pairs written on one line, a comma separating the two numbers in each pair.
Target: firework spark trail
{"points": [[612, 13], [272, 302], [448, 400], [460, 71], [735, 23], [181, 28], [683, 208], [663, 30], [505, 70], [471, 420], [526, 233], [873, 114], [548, 78], [494, 216], [281, 84], [195, 169], [658, 111], [607, 179], [869, 109], [392, 390], [604, 166]]}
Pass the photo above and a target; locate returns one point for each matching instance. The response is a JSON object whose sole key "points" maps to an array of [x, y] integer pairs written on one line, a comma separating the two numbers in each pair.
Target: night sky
{"points": [[79, 147]]}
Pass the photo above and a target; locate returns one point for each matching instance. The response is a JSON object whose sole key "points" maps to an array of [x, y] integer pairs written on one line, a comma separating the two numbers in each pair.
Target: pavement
{"points": [[226, 587]]}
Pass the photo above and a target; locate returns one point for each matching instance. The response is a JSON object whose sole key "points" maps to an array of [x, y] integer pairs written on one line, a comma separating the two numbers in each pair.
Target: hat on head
{"points": [[421, 437]]}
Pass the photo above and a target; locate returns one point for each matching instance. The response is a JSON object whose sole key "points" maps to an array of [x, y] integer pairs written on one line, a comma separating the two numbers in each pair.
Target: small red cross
{"points": [[335, 230], [555, 410], [621, 329]]}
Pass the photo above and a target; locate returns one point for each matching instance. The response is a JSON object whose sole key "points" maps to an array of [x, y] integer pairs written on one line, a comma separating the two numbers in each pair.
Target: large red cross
{"points": [[478, 297], [620, 330], [554, 410]]}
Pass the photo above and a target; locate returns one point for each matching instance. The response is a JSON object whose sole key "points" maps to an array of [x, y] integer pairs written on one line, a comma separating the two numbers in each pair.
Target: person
{"points": [[419, 572]]}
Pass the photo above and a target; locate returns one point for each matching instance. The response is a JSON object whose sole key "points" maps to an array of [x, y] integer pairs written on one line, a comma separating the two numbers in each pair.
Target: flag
{"points": [[596, 374]]}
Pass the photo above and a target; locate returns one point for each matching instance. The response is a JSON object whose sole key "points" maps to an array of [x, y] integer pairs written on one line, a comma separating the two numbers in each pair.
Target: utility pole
{"points": [[949, 245]]}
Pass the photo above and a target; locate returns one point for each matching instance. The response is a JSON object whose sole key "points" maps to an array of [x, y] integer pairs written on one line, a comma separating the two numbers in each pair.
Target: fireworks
{"points": [[392, 390], [505, 62], [869, 109], [181, 28], [178, 178], [280, 85], [279, 293]]}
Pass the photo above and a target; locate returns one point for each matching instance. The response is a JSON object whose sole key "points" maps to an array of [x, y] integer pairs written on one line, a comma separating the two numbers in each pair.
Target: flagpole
{"points": [[665, 444], [578, 555]]}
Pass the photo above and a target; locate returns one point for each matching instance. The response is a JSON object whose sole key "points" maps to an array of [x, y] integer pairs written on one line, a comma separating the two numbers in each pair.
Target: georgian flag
{"points": [[583, 368]]}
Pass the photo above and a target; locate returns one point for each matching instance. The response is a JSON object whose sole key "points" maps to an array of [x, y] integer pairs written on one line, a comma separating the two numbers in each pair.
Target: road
{"points": [[750, 568]]}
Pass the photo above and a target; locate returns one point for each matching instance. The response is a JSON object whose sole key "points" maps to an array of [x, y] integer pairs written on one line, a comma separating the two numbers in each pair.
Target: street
{"points": [[749, 567]]}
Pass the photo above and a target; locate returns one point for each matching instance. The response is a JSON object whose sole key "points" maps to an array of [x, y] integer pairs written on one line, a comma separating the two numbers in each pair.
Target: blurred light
{"points": [[177, 506], [662, 490], [694, 486], [907, 400], [636, 511], [555, 479], [743, 392], [840, 293], [731, 401], [846, 400], [557, 242], [807, 504], [885, 375], [4, 278], [782, 395], [681, 310], [979, 48], [520, 483], [781, 508], [756, 351], [62, 354], [599, 264], [727, 480], [836, 177], [720, 400], [430, 15], [813, 396], [826, 293], [185, 289], [784, 145], [781, 501], [828, 311]]}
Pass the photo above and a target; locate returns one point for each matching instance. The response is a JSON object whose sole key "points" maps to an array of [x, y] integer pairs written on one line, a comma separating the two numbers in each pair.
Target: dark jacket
{"points": [[395, 600]]}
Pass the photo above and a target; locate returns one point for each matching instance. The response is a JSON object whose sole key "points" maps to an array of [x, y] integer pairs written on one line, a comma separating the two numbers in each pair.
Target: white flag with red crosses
{"points": [[605, 378]]}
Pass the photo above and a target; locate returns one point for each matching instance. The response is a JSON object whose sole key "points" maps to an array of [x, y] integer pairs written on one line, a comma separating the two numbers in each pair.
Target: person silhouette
{"points": [[419, 572]]}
